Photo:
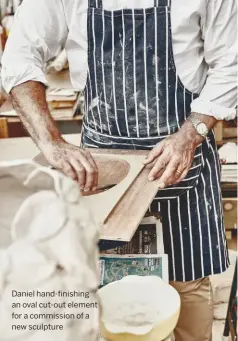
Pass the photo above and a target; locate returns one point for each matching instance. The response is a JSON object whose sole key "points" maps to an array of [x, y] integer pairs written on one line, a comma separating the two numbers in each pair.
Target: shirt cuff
{"points": [[16, 76], [211, 109]]}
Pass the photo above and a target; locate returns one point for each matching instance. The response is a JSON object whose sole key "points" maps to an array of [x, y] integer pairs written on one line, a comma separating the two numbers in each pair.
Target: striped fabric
{"points": [[133, 100], [119, 96], [193, 230]]}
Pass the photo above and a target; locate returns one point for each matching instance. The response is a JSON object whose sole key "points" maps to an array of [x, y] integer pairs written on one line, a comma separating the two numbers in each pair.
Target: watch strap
{"points": [[194, 121]]}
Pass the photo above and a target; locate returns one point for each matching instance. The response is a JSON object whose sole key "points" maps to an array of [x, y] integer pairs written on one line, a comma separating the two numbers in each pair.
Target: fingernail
{"points": [[161, 185], [94, 189], [151, 178], [86, 190]]}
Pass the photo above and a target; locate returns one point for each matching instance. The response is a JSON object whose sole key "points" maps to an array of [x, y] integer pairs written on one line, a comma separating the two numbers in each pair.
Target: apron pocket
{"points": [[186, 184]]}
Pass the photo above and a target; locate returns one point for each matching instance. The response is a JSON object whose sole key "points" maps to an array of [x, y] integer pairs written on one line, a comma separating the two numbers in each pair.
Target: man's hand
{"points": [[29, 100], [75, 162], [171, 159]]}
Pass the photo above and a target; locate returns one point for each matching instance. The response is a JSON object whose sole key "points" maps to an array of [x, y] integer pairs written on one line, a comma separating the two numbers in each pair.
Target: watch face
{"points": [[202, 129]]}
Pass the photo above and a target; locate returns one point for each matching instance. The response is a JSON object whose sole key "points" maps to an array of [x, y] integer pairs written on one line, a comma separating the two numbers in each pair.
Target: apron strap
{"points": [[162, 3], [95, 4]]}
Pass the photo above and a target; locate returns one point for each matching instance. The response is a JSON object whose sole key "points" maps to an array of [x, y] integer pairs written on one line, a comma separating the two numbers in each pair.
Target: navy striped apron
{"points": [[134, 99]]}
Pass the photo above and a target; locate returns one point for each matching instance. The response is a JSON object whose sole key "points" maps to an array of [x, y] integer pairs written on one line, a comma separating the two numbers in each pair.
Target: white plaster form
{"points": [[53, 247]]}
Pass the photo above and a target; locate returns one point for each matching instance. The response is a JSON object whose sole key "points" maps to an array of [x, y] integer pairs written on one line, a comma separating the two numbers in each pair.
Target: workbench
{"points": [[24, 147]]}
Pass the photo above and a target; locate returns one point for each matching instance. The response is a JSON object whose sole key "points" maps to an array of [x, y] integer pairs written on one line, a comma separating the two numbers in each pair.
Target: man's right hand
{"points": [[74, 162], [29, 100]]}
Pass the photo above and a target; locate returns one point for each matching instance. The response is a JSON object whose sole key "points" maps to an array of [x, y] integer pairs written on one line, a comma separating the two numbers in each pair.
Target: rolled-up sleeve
{"points": [[38, 33], [218, 97]]}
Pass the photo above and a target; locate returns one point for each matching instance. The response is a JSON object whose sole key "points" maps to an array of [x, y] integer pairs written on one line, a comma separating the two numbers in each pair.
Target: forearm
{"points": [[191, 133], [29, 101]]}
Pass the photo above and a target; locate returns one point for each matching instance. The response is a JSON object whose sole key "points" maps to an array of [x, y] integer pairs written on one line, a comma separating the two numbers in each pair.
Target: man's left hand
{"points": [[172, 158]]}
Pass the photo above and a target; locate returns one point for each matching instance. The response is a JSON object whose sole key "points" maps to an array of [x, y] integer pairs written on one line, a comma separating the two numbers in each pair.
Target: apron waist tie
{"points": [[93, 138]]}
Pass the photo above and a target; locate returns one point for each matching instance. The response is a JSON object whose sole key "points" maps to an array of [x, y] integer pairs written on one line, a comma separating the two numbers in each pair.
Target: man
{"points": [[156, 76]]}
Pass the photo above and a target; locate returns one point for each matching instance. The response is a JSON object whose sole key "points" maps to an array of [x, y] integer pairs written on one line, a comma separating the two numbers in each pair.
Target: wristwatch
{"points": [[199, 126]]}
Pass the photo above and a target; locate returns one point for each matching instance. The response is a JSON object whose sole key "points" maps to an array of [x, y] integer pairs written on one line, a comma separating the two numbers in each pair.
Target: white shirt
{"points": [[204, 35]]}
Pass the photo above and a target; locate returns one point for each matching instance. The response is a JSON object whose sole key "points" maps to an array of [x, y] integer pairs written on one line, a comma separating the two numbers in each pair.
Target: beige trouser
{"points": [[196, 318]]}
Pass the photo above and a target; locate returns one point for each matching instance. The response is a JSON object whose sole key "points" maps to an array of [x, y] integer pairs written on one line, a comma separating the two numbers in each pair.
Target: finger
{"points": [[90, 173], [94, 165], [182, 176], [68, 170], [178, 169], [90, 158], [154, 153], [160, 164], [80, 171], [169, 175], [178, 173], [96, 175], [160, 174], [150, 165]]}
